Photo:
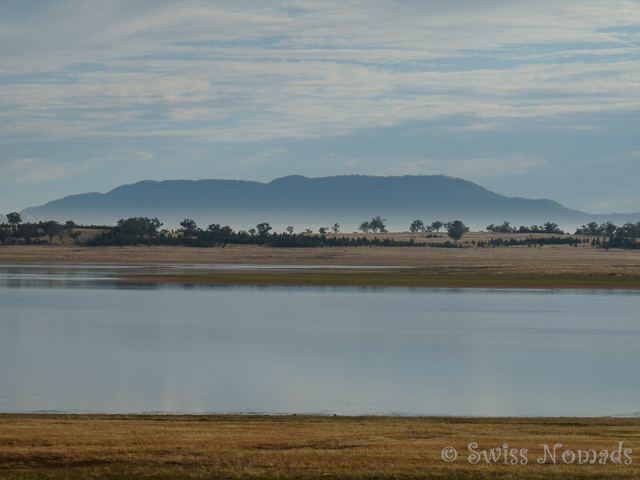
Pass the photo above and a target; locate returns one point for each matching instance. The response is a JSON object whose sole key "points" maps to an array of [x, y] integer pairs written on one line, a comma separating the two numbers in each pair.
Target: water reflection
{"points": [[99, 276], [242, 349]]}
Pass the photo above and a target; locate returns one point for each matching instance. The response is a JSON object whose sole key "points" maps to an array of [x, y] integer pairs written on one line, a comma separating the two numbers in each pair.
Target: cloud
{"points": [[196, 76], [476, 167], [624, 204], [293, 69], [32, 170]]}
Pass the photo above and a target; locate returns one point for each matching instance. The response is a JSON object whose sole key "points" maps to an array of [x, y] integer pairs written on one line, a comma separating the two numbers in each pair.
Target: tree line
{"points": [[146, 231], [531, 241], [506, 227], [36, 233]]}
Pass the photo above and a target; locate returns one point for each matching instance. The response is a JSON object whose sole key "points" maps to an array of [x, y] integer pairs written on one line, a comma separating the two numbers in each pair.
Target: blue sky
{"points": [[535, 99]]}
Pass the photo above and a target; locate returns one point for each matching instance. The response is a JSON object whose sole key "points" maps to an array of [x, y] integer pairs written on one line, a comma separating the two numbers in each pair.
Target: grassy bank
{"points": [[97, 446], [406, 277]]}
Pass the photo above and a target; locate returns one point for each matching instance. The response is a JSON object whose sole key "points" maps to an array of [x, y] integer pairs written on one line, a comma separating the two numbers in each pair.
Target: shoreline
{"points": [[553, 267], [150, 280], [399, 278]]}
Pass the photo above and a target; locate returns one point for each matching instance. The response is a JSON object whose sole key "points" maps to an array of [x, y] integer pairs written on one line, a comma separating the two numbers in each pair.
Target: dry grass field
{"points": [[159, 447], [519, 266]]}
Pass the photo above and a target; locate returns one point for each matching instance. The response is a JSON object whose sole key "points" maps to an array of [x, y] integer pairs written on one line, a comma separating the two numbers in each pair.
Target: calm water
{"points": [[73, 340]]}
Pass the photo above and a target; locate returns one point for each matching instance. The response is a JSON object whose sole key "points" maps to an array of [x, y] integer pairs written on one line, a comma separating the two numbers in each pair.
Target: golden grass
{"points": [[549, 257], [226, 446], [548, 267]]}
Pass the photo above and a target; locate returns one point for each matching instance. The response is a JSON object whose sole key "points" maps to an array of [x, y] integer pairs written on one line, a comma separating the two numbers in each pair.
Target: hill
{"points": [[312, 202]]}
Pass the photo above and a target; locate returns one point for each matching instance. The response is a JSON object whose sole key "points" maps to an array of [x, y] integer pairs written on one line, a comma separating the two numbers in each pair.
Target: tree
{"points": [[14, 219], [75, 236], [365, 227], [189, 227], [308, 231], [141, 226], [289, 230], [263, 228], [323, 230], [504, 228], [52, 229], [336, 228], [417, 226], [27, 231], [70, 225], [252, 231], [377, 224], [437, 225], [592, 228], [63, 232], [551, 227], [153, 227], [5, 235], [456, 229], [607, 229]]}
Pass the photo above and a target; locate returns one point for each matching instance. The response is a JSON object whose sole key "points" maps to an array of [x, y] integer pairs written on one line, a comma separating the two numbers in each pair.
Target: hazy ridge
{"points": [[312, 202]]}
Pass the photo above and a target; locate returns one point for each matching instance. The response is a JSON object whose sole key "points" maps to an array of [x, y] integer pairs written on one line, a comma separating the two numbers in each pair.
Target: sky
{"points": [[531, 99]]}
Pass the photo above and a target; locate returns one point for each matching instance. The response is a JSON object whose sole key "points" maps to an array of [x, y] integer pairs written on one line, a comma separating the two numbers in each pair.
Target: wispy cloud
{"points": [[212, 72], [476, 167], [306, 69], [33, 170]]}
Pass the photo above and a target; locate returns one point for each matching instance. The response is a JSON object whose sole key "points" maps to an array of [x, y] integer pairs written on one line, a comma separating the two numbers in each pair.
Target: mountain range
{"points": [[313, 202]]}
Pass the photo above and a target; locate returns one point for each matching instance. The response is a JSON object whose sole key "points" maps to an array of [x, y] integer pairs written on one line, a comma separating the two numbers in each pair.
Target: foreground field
{"points": [[61, 446]]}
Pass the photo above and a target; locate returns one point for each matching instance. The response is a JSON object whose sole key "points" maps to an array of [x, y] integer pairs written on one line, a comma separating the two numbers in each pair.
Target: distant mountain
{"points": [[313, 202]]}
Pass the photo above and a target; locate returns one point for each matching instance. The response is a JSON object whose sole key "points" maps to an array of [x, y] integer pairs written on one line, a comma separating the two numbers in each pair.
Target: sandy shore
{"points": [[548, 259], [583, 264]]}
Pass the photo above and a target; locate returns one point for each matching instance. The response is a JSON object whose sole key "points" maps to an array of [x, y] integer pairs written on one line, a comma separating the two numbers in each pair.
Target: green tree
{"points": [[5, 234], [551, 227], [263, 228], [417, 226], [607, 229], [377, 224], [437, 225], [133, 227], [52, 229], [153, 227], [336, 228], [289, 230], [365, 227], [27, 231], [323, 230], [504, 228], [189, 227], [75, 235], [14, 219], [456, 229]]}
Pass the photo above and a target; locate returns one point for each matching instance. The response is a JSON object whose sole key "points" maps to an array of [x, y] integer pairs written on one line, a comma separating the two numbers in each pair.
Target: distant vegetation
{"points": [[36, 233], [146, 231], [548, 227]]}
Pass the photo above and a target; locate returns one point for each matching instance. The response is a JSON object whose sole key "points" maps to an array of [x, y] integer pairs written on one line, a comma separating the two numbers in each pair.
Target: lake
{"points": [[73, 340]]}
